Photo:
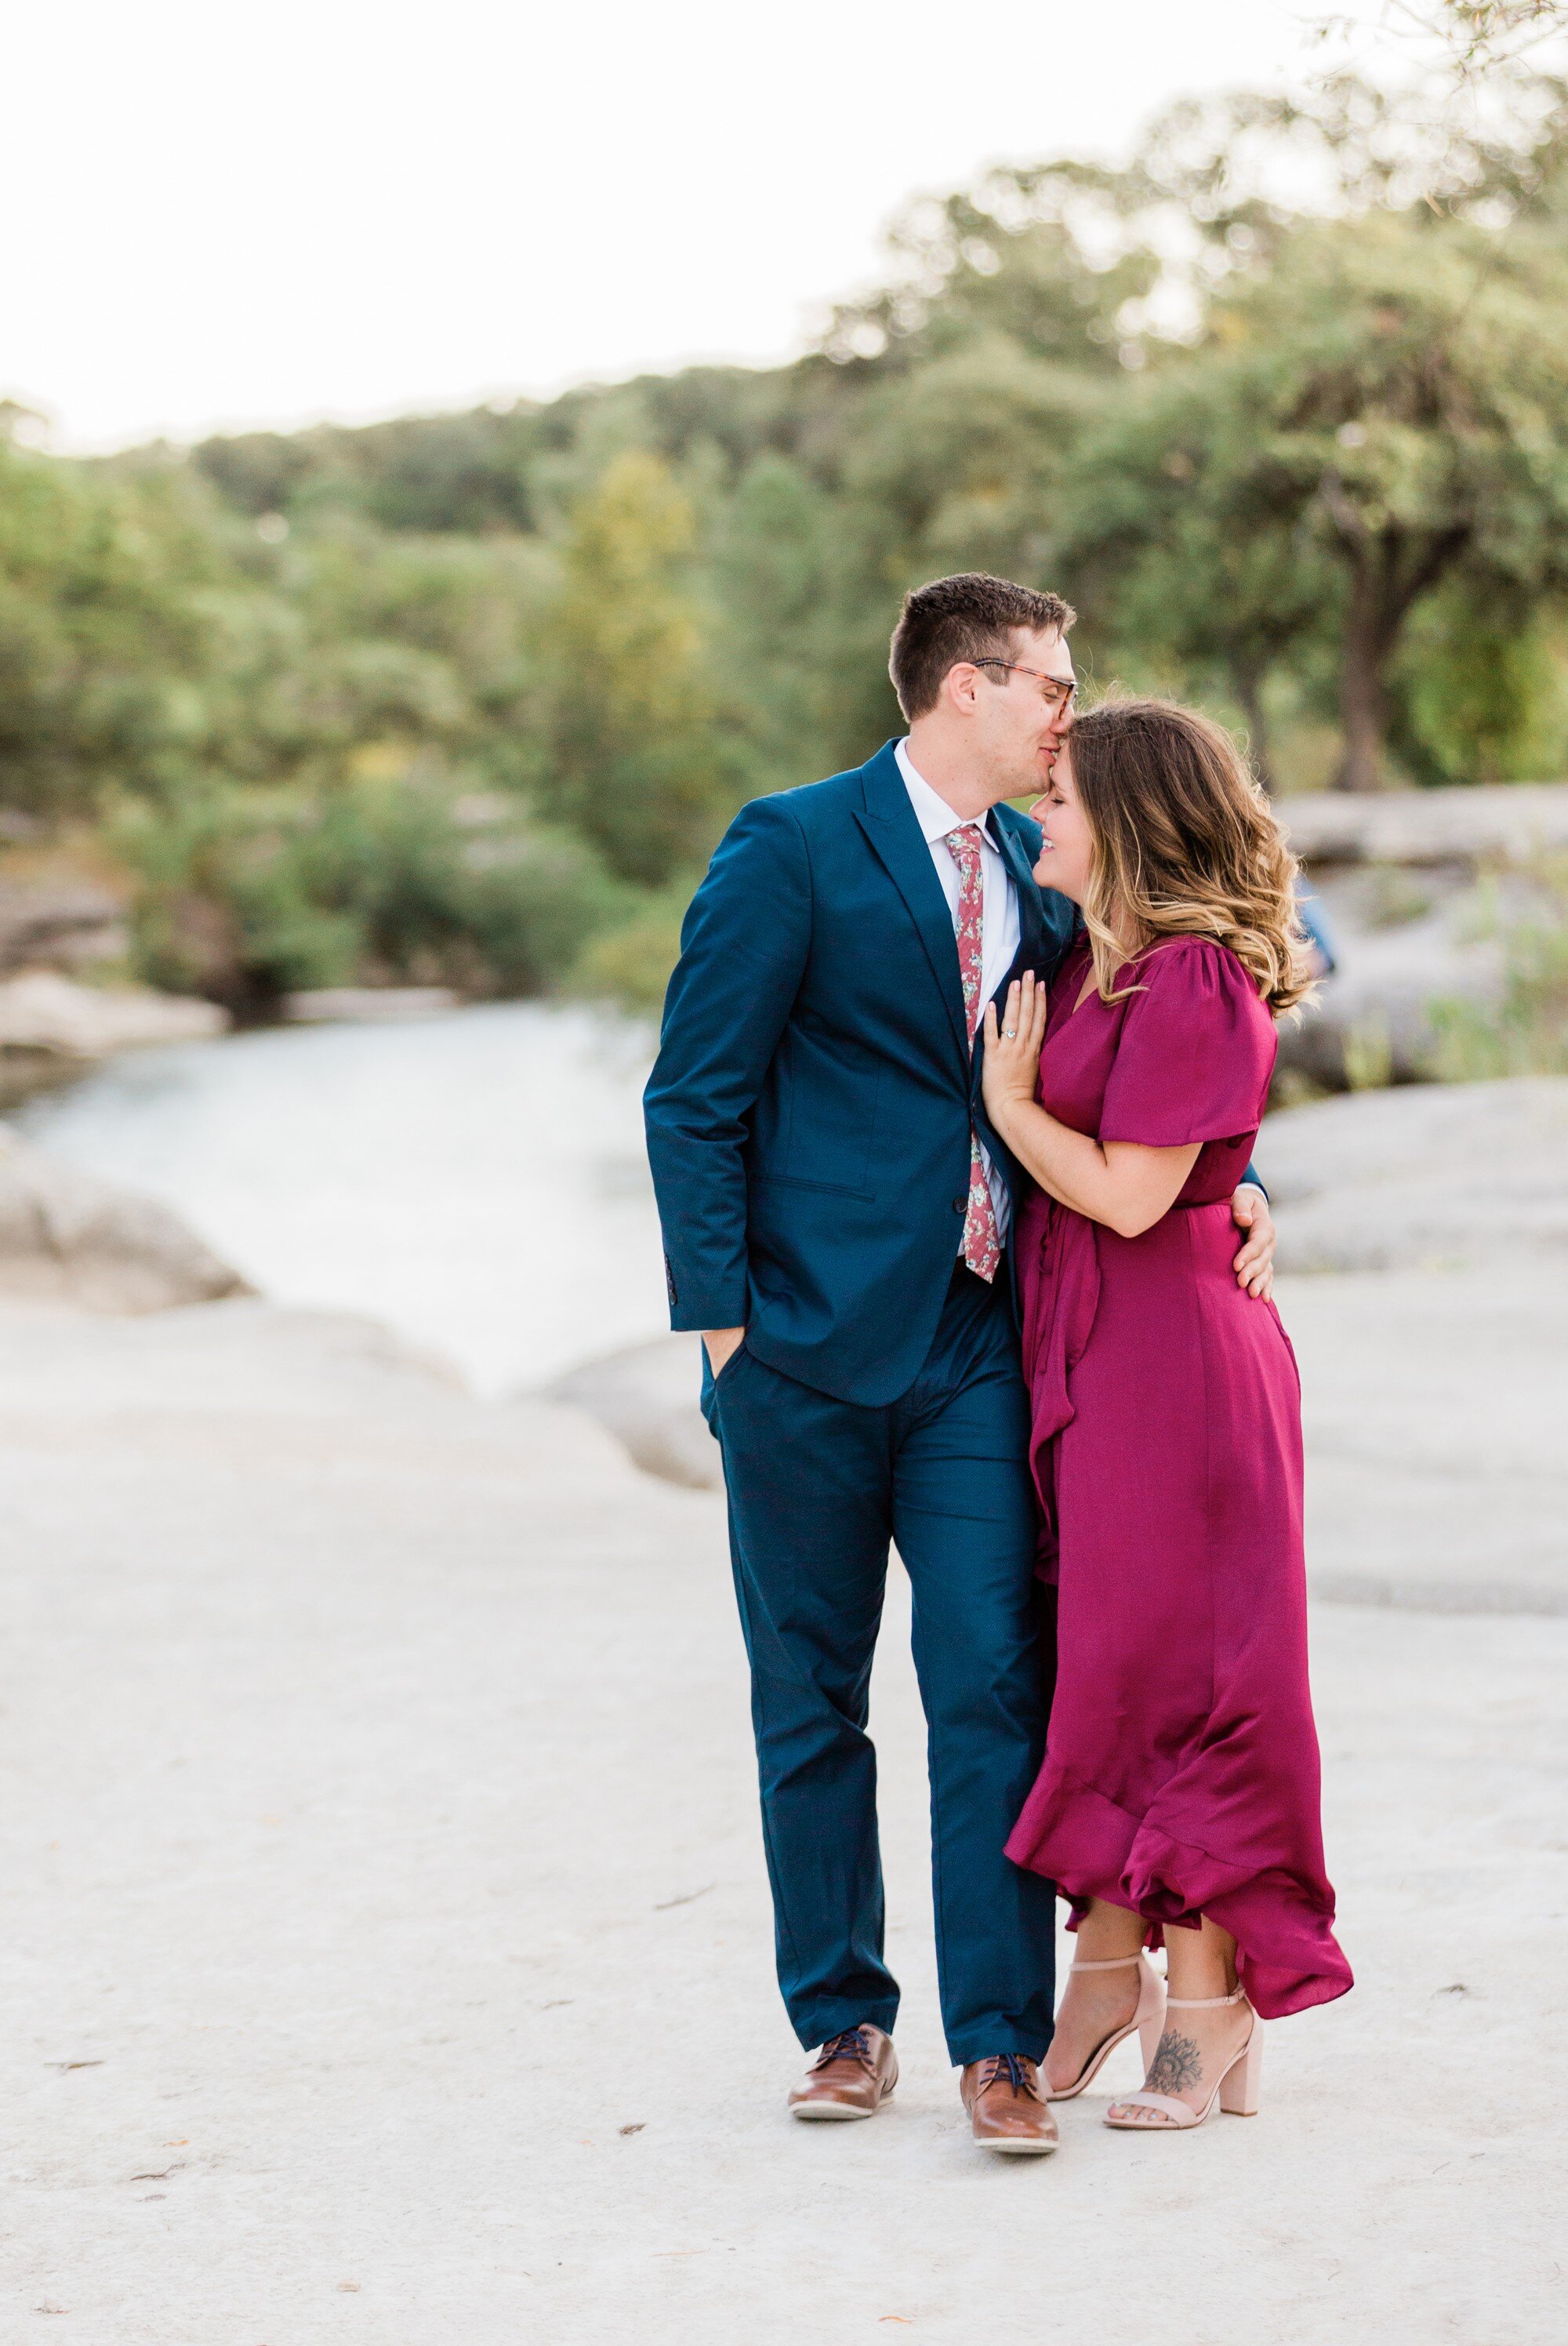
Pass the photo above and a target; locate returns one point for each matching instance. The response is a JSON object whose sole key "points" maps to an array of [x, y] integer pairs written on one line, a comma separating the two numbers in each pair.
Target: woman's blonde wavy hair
{"points": [[1185, 845]]}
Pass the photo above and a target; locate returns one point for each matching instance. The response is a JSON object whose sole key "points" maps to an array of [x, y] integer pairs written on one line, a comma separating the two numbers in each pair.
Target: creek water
{"points": [[476, 1179]]}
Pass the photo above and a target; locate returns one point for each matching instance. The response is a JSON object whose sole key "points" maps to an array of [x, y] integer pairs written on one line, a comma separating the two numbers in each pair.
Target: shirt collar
{"points": [[932, 813]]}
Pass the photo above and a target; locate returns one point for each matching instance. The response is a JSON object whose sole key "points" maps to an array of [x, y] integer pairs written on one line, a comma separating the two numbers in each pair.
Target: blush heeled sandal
{"points": [[1237, 2091], [1148, 2019]]}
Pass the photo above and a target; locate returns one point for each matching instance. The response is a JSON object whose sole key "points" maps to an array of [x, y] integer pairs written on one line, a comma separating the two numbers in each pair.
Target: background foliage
{"points": [[468, 697]]}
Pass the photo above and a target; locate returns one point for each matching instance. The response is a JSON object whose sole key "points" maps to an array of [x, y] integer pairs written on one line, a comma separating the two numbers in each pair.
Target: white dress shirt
{"points": [[1000, 929]]}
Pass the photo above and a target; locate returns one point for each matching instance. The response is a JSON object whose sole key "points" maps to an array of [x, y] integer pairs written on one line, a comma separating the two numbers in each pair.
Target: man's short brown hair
{"points": [[970, 616]]}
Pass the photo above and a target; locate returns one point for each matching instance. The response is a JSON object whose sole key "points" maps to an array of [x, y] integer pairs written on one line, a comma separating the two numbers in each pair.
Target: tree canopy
{"points": [[1279, 406]]}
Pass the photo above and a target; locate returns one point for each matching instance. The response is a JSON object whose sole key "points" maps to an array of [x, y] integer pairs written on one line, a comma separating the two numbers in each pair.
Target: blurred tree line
{"points": [[467, 698]]}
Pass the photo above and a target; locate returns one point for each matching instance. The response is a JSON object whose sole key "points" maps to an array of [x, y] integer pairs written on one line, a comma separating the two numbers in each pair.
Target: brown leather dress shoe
{"points": [[851, 2077], [1007, 2105]]}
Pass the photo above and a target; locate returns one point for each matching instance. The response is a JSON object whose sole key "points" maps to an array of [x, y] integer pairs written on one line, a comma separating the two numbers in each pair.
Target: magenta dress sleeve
{"points": [[1196, 1053]]}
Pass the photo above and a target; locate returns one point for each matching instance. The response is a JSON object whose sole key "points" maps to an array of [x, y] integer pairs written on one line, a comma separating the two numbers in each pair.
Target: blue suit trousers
{"points": [[818, 1489]]}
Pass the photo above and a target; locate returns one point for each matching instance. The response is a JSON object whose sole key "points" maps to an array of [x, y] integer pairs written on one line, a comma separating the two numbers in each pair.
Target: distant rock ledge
{"points": [[364, 1006], [52, 1028], [67, 1238], [646, 1396], [1413, 884]]}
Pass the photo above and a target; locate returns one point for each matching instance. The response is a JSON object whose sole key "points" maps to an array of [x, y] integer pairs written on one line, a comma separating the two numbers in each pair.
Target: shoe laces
{"points": [[849, 2045], [1011, 2066]]}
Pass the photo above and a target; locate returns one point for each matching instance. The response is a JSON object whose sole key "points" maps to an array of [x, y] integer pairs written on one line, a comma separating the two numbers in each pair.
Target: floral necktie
{"points": [[981, 1246]]}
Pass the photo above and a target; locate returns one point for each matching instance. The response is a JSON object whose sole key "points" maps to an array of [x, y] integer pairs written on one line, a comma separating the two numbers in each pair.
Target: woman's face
{"points": [[1067, 855]]}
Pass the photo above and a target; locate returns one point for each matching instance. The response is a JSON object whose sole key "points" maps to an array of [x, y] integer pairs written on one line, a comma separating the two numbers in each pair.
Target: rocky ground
{"points": [[59, 928], [387, 1946], [68, 1237], [1424, 1247], [1416, 888]]}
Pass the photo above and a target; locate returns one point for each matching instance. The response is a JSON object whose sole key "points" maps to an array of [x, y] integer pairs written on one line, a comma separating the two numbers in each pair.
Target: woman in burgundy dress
{"points": [[1179, 1795]]}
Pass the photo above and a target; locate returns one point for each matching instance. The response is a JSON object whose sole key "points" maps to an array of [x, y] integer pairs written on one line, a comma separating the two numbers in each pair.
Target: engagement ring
{"points": [[1010, 1032]]}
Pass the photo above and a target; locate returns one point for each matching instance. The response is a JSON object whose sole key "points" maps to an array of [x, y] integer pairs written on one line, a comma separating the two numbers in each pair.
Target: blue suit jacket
{"points": [[808, 1114]]}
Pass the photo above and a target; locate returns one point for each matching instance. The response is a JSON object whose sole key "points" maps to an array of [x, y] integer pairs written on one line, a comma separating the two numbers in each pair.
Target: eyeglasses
{"points": [[1058, 695]]}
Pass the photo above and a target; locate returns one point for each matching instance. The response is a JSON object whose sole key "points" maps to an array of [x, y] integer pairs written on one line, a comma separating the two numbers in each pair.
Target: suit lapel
{"points": [[1032, 941], [896, 839]]}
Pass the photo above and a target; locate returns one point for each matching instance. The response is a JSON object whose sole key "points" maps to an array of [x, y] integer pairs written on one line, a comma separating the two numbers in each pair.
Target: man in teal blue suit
{"points": [[836, 1215]]}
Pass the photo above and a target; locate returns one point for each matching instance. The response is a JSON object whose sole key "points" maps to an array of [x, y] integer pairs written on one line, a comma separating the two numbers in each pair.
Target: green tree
{"points": [[777, 623], [103, 640], [1484, 689], [1010, 257], [637, 764], [1185, 550], [1411, 393], [449, 695], [1378, 409]]}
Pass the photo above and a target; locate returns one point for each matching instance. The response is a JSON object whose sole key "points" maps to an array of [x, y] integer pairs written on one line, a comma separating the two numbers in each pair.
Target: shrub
{"points": [[247, 895], [629, 965]]}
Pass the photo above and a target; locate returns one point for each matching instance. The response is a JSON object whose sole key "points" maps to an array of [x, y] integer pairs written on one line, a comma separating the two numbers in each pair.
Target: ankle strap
{"points": [[1114, 1963], [1203, 2003]]}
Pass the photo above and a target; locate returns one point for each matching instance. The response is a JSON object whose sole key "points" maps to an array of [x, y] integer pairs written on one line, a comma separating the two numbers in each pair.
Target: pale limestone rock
{"points": [[380, 1793], [1412, 882], [1425, 828], [41, 1011], [364, 1006], [59, 925], [68, 1237], [1422, 1177], [648, 1398]]}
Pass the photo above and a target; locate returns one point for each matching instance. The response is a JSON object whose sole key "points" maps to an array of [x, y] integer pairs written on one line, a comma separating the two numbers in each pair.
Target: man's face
{"points": [[1024, 719]]}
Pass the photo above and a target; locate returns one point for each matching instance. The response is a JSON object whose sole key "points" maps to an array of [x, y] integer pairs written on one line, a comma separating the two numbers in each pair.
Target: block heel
{"points": [[1237, 2091], [1239, 2086]]}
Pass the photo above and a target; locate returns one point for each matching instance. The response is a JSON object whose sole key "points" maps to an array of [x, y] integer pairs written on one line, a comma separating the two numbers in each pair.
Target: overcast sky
{"points": [[218, 215]]}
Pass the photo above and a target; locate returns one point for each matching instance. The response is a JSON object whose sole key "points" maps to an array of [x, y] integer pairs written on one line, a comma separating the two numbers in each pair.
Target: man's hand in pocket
{"points": [[721, 1343]]}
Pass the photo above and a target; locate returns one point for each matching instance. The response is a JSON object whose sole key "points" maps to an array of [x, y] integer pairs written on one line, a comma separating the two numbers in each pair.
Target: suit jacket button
{"points": [[960, 1205]]}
